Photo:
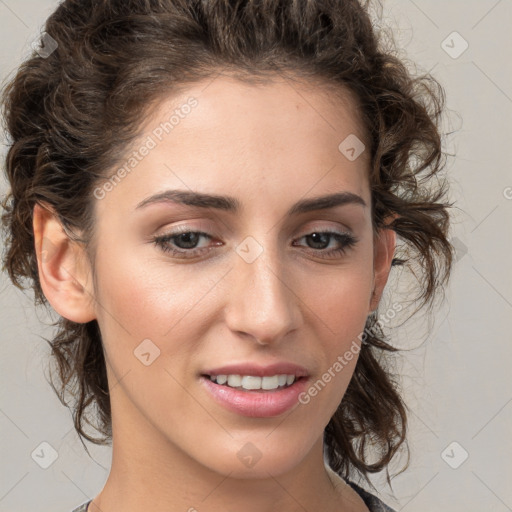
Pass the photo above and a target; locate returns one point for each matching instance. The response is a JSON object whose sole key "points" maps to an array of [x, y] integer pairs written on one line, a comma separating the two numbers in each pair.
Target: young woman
{"points": [[210, 194]]}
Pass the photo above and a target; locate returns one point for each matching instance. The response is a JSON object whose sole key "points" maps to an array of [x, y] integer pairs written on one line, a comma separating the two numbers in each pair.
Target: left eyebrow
{"points": [[233, 205]]}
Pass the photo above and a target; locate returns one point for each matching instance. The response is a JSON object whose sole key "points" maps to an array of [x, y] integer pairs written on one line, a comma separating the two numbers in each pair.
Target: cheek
{"points": [[135, 312], [145, 297], [148, 320], [340, 299], [341, 306]]}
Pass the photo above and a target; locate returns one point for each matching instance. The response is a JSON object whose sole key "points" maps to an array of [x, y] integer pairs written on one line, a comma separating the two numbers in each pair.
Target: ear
{"points": [[383, 252], [64, 271]]}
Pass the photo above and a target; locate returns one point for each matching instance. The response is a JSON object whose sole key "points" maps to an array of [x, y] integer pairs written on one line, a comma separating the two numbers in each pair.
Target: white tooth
{"points": [[250, 382], [234, 381], [212, 378], [270, 382], [281, 379]]}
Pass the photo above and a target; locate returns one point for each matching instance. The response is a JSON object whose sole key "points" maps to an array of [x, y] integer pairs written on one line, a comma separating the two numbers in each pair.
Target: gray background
{"points": [[457, 374]]}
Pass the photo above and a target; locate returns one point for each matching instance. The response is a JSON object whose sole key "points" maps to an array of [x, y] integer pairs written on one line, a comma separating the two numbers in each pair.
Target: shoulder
{"points": [[373, 503], [82, 507]]}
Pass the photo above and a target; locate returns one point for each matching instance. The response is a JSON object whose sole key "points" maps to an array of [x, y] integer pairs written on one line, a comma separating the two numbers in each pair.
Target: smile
{"points": [[255, 402], [252, 382]]}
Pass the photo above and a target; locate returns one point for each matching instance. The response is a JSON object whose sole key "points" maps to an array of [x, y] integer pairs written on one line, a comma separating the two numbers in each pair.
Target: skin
{"points": [[269, 146]]}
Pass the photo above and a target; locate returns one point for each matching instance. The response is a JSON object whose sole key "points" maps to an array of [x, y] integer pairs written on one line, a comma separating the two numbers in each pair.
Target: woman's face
{"points": [[255, 288]]}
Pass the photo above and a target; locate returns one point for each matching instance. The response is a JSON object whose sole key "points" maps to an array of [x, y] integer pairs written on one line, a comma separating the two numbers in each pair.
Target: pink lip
{"points": [[259, 370], [255, 403]]}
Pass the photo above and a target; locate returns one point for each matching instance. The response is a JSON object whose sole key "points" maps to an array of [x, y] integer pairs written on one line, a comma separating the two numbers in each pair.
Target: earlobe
{"points": [[63, 268], [384, 250]]}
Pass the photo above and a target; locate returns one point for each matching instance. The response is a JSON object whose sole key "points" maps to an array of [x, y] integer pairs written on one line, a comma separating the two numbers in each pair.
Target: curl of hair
{"points": [[71, 116]]}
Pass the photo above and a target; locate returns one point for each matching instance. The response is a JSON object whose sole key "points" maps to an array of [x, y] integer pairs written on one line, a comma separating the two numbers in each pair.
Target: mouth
{"points": [[256, 391], [255, 383]]}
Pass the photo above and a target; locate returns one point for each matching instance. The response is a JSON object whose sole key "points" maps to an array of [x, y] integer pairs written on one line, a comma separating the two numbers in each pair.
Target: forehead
{"points": [[282, 138], [241, 108]]}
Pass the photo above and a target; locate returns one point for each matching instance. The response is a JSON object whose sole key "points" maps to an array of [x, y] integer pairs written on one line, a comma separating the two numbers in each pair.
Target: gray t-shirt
{"points": [[373, 503]]}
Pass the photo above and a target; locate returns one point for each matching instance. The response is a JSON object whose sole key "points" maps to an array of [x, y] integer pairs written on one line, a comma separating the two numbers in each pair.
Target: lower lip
{"points": [[256, 404]]}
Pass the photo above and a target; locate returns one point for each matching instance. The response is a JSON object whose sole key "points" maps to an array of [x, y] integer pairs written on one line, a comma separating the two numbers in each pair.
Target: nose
{"points": [[262, 305]]}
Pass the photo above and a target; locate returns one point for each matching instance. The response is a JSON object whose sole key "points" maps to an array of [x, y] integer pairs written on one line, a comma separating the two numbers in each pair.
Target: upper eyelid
{"points": [[210, 229]]}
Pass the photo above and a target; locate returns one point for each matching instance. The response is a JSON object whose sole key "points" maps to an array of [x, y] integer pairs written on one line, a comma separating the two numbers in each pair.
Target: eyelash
{"points": [[347, 240]]}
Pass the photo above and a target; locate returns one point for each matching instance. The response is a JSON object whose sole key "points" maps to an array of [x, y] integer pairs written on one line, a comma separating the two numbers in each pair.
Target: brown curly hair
{"points": [[71, 114]]}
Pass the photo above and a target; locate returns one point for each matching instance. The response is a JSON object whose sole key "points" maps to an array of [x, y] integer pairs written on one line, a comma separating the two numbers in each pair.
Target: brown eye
{"points": [[182, 243], [320, 240]]}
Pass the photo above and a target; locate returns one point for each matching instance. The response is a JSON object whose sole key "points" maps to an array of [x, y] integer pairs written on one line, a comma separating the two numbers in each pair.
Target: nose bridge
{"points": [[262, 303]]}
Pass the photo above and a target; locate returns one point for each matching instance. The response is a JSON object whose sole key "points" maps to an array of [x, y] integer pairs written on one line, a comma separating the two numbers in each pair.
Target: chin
{"points": [[257, 458]]}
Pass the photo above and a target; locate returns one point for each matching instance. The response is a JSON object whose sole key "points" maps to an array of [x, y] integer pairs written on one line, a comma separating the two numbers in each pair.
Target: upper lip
{"points": [[283, 368]]}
